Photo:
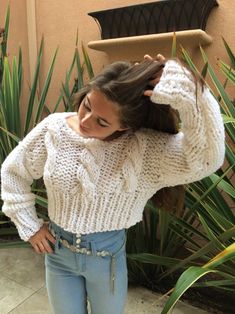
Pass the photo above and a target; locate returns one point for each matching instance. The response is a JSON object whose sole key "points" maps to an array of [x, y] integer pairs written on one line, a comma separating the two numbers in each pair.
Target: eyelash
{"points": [[98, 121]]}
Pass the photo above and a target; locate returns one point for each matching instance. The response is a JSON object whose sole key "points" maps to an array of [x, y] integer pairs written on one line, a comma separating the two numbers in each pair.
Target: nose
{"points": [[86, 119]]}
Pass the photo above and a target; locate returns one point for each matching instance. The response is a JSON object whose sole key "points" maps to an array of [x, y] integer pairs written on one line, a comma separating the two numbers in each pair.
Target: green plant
{"points": [[3, 43], [210, 196], [193, 273], [10, 103], [172, 243], [67, 93]]}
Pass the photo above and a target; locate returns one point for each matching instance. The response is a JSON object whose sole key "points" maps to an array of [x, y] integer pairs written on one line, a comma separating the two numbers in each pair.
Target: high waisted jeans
{"points": [[91, 266]]}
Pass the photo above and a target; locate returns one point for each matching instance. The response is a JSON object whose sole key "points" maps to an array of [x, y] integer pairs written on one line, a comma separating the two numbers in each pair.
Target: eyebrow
{"points": [[98, 116]]}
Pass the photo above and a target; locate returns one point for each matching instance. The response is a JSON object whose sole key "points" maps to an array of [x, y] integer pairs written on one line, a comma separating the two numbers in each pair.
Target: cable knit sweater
{"points": [[94, 185]]}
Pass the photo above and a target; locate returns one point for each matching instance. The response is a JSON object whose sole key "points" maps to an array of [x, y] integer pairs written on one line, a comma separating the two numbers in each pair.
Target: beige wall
{"points": [[58, 21]]}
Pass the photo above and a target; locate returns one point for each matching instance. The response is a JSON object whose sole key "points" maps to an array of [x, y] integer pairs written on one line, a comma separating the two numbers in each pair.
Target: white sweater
{"points": [[94, 185]]}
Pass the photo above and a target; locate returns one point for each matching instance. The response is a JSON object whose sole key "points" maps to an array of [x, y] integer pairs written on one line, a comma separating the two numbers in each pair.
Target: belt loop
{"points": [[50, 227], [57, 244], [112, 273], [93, 248], [55, 234]]}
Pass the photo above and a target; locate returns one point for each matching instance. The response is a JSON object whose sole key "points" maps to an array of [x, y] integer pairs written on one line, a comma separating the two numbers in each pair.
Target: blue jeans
{"points": [[87, 267]]}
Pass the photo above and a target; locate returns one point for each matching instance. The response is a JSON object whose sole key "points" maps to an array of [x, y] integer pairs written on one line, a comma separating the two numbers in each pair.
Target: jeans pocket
{"points": [[114, 246]]}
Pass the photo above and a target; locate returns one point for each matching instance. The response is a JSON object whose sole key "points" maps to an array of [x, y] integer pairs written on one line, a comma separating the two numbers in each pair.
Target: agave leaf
{"points": [[7, 94], [185, 281], [155, 259], [215, 194], [217, 221], [41, 201], [227, 254], [225, 186], [230, 53], [219, 87], [58, 102], [199, 200], [31, 101], [8, 231], [188, 228], [227, 71], [65, 87], [80, 71], [164, 221], [185, 236], [72, 64], [203, 251], [189, 61], [6, 30], [87, 62], [216, 283], [193, 273], [210, 233], [13, 136], [204, 70], [227, 119], [229, 154], [174, 46], [20, 70], [14, 244], [45, 90], [16, 97]]}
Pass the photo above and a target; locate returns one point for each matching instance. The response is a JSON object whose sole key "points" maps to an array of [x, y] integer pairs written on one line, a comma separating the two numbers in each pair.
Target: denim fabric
{"points": [[72, 278]]}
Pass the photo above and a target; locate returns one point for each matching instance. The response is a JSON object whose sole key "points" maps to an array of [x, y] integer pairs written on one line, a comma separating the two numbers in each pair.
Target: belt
{"points": [[86, 251]]}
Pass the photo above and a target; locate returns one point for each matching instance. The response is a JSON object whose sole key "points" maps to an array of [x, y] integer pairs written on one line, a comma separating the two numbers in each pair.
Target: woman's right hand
{"points": [[39, 240], [156, 79]]}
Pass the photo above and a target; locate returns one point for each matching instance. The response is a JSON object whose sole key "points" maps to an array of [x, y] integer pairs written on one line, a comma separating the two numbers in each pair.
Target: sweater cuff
{"points": [[27, 223], [176, 86]]}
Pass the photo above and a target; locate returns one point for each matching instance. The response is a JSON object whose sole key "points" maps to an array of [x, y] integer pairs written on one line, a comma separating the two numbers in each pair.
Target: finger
{"points": [[36, 249], [41, 247], [50, 237], [47, 233], [148, 93], [47, 247], [160, 57], [148, 57]]}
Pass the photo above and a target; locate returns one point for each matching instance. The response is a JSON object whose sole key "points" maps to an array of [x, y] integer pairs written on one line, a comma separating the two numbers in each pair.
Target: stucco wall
{"points": [[58, 21]]}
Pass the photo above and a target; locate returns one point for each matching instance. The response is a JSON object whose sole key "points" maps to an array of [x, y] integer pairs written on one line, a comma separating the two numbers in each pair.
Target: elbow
{"points": [[216, 151], [216, 161]]}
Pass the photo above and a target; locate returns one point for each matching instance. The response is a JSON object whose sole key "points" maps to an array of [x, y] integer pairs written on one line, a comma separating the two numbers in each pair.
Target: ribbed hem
{"points": [[95, 214]]}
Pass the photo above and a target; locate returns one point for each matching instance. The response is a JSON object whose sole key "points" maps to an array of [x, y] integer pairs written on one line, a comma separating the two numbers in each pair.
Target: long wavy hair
{"points": [[124, 84]]}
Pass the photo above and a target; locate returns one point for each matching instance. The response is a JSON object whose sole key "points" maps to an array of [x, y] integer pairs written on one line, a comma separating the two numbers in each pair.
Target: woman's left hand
{"points": [[156, 79]]}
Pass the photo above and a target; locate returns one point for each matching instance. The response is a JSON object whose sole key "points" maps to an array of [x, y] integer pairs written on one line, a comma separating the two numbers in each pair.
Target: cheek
{"points": [[81, 111]]}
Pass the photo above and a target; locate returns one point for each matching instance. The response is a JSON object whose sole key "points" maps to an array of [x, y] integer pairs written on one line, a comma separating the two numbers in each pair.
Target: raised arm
{"points": [[22, 165], [198, 149]]}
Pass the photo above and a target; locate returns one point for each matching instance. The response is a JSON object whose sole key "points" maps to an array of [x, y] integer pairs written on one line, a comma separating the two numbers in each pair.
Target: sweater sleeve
{"points": [[198, 149], [22, 165]]}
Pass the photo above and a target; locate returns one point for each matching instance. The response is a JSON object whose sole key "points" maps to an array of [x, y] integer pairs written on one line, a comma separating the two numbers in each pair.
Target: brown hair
{"points": [[124, 84]]}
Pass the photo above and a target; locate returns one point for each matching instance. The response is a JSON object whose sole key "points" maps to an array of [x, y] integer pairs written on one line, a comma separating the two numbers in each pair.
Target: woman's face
{"points": [[98, 117]]}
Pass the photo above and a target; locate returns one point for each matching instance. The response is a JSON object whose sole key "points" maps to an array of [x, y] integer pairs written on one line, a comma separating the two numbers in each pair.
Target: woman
{"points": [[100, 165]]}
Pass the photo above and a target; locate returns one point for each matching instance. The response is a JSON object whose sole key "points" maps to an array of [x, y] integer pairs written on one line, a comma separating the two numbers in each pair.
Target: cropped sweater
{"points": [[94, 185]]}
